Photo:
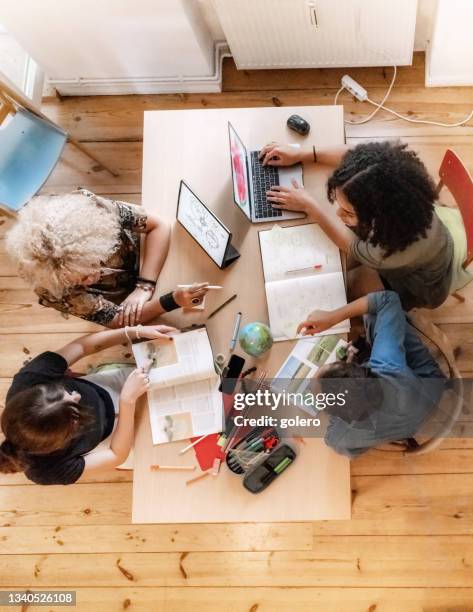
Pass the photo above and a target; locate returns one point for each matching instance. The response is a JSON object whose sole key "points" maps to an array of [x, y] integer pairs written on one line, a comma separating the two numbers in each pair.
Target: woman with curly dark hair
{"points": [[387, 220]]}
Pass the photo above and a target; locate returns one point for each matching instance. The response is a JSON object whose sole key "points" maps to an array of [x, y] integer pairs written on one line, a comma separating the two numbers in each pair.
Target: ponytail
{"points": [[11, 460], [39, 421]]}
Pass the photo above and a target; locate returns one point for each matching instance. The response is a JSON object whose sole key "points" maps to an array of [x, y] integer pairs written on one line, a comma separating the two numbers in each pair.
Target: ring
{"points": [[195, 300]]}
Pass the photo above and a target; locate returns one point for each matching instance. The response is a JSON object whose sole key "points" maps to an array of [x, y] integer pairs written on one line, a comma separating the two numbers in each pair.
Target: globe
{"points": [[256, 339]]}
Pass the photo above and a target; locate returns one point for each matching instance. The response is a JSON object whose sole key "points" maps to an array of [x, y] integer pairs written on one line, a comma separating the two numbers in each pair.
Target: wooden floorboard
{"points": [[409, 544]]}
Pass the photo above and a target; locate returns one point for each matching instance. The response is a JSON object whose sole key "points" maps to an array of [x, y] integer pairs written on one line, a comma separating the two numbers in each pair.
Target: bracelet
{"points": [[315, 154], [137, 332], [126, 334], [149, 288], [168, 302], [146, 280]]}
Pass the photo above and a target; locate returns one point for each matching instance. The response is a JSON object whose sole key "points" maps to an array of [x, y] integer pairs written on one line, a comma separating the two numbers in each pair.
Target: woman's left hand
{"points": [[132, 307], [296, 198], [317, 322]]}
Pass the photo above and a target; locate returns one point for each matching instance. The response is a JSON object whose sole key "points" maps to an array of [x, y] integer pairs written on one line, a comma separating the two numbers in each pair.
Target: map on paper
{"points": [[293, 290]]}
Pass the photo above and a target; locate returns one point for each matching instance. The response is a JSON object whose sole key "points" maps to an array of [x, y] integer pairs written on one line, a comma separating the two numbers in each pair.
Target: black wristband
{"points": [[146, 280], [168, 302]]}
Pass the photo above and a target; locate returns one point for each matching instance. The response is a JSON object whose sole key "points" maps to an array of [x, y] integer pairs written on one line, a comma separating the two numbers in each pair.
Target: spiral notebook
{"points": [[294, 287]]}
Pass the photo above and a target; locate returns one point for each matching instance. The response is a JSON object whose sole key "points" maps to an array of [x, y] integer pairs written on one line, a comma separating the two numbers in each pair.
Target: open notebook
{"points": [[292, 296], [184, 400]]}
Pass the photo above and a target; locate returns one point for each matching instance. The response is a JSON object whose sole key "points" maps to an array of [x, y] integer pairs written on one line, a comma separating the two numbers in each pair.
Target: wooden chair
{"points": [[456, 178], [30, 146], [455, 403]]}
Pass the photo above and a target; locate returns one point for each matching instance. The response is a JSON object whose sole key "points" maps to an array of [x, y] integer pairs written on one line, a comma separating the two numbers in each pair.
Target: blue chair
{"points": [[29, 150]]}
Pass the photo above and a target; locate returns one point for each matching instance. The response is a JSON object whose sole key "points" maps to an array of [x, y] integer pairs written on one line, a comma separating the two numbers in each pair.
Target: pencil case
{"points": [[273, 465], [251, 448]]}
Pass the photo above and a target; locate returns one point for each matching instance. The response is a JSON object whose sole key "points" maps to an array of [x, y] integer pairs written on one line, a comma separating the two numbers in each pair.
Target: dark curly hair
{"points": [[391, 191]]}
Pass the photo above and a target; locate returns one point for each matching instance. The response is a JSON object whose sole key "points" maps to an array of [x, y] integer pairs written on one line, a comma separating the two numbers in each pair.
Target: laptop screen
{"points": [[239, 172], [206, 229]]}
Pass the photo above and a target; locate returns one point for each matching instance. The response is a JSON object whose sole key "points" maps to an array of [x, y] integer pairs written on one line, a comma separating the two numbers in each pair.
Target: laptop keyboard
{"points": [[264, 177]]}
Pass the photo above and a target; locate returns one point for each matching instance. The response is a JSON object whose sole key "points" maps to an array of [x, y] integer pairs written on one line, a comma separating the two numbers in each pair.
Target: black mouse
{"points": [[298, 124]]}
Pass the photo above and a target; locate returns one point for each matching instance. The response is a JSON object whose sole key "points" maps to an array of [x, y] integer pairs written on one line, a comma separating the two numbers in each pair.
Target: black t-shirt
{"points": [[66, 465]]}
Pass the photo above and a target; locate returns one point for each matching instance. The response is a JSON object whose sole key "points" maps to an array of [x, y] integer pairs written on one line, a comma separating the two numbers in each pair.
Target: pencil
{"points": [[184, 450], [199, 477], [221, 306], [208, 287], [179, 468], [314, 267]]}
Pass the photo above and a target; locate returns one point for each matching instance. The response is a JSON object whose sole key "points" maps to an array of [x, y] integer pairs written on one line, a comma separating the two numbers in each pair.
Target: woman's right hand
{"points": [[184, 297], [135, 385], [274, 154]]}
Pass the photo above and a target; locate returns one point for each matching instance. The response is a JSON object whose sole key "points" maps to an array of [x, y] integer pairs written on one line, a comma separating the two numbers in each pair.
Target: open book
{"points": [[184, 400], [293, 287]]}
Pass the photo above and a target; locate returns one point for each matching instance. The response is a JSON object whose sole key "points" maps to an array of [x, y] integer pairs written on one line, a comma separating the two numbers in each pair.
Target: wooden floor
{"points": [[409, 545]]}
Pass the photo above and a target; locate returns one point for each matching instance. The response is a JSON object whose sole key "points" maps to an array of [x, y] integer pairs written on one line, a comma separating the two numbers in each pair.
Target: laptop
{"points": [[251, 180]]}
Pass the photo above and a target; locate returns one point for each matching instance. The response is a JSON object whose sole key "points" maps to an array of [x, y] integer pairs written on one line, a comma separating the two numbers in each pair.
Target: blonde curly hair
{"points": [[59, 240]]}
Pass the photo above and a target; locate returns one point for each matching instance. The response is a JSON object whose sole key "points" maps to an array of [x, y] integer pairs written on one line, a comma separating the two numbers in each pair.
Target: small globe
{"points": [[256, 339]]}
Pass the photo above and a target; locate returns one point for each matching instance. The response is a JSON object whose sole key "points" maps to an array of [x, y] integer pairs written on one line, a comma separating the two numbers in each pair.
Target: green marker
{"points": [[282, 465]]}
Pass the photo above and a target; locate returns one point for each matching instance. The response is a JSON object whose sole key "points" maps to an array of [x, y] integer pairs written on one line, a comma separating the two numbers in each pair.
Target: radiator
{"points": [[318, 33]]}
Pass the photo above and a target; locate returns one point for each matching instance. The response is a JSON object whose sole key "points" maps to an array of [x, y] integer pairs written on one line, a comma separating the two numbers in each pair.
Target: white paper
{"points": [[291, 301], [307, 356], [184, 400], [292, 296], [188, 358]]}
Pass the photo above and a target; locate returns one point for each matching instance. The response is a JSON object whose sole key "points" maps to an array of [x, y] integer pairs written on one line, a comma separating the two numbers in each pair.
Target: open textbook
{"points": [[308, 355], [292, 295], [184, 400]]}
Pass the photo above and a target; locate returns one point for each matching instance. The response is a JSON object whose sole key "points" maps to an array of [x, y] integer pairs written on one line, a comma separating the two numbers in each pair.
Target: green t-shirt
{"points": [[426, 272]]}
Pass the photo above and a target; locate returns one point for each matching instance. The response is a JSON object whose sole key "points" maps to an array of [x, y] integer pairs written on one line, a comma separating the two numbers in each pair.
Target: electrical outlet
{"points": [[354, 88]]}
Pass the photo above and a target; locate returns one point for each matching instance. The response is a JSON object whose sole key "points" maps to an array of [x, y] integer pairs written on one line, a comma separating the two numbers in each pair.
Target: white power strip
{"points": [[354, 88]]}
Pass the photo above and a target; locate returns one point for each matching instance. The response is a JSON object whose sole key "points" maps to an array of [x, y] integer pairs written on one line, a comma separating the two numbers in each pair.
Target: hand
{"points": [[155, 332], [186, 297], [274, 154], [132, 307], [296, 198], [318, 321], [135, 385]]}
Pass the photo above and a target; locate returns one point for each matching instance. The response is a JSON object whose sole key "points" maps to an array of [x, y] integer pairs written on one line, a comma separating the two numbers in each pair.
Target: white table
{"points": [[193, 145]]}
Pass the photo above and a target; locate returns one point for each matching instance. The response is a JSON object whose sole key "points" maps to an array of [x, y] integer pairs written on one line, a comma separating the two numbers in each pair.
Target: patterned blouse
{"points": [[99, 303]]}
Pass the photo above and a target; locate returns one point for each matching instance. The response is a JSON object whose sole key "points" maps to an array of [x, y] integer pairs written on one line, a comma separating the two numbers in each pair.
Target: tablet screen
{"points": [[202, 225]]}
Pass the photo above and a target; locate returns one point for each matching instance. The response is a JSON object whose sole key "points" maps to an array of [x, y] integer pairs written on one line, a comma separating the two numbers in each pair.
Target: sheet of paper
{"points": [[301, 246], [291, 301], [186, 410], [308, 355], [188, 358]]}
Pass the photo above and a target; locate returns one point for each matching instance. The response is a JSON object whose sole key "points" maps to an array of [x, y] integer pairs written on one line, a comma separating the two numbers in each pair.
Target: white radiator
{"points": [[318, 33]]}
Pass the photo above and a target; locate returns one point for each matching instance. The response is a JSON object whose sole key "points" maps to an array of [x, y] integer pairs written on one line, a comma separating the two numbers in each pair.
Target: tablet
{"points": [[206, 229]]}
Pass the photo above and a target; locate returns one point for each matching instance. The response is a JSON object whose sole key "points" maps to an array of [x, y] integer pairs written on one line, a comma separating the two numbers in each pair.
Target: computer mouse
{"points": [[298, 124]]}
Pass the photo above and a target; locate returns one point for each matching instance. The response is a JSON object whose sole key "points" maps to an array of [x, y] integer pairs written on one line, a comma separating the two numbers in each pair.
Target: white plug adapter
{"points": [[354, 88]]}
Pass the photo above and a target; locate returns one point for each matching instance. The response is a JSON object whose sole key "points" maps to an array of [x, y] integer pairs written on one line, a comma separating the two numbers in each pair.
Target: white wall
{"points": [[106, 39], [450, 55], [426, 10]]}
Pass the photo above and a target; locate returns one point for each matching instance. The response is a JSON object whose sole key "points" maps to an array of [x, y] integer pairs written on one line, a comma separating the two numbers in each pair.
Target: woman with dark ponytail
{"points": [[55, 424]]}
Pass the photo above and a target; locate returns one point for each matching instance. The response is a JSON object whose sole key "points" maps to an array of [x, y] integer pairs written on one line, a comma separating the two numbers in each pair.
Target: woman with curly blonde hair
{"points": [[81, 252]]}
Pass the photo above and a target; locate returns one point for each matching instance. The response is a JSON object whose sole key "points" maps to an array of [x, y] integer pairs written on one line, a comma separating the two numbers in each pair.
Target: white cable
{"points": [[393, 112], [380, 105]]}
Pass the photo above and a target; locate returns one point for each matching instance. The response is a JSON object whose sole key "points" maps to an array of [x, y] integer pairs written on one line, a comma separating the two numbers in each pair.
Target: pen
{"points": [[236, 329], [221, 306], [207, 287], [314, 267]]}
